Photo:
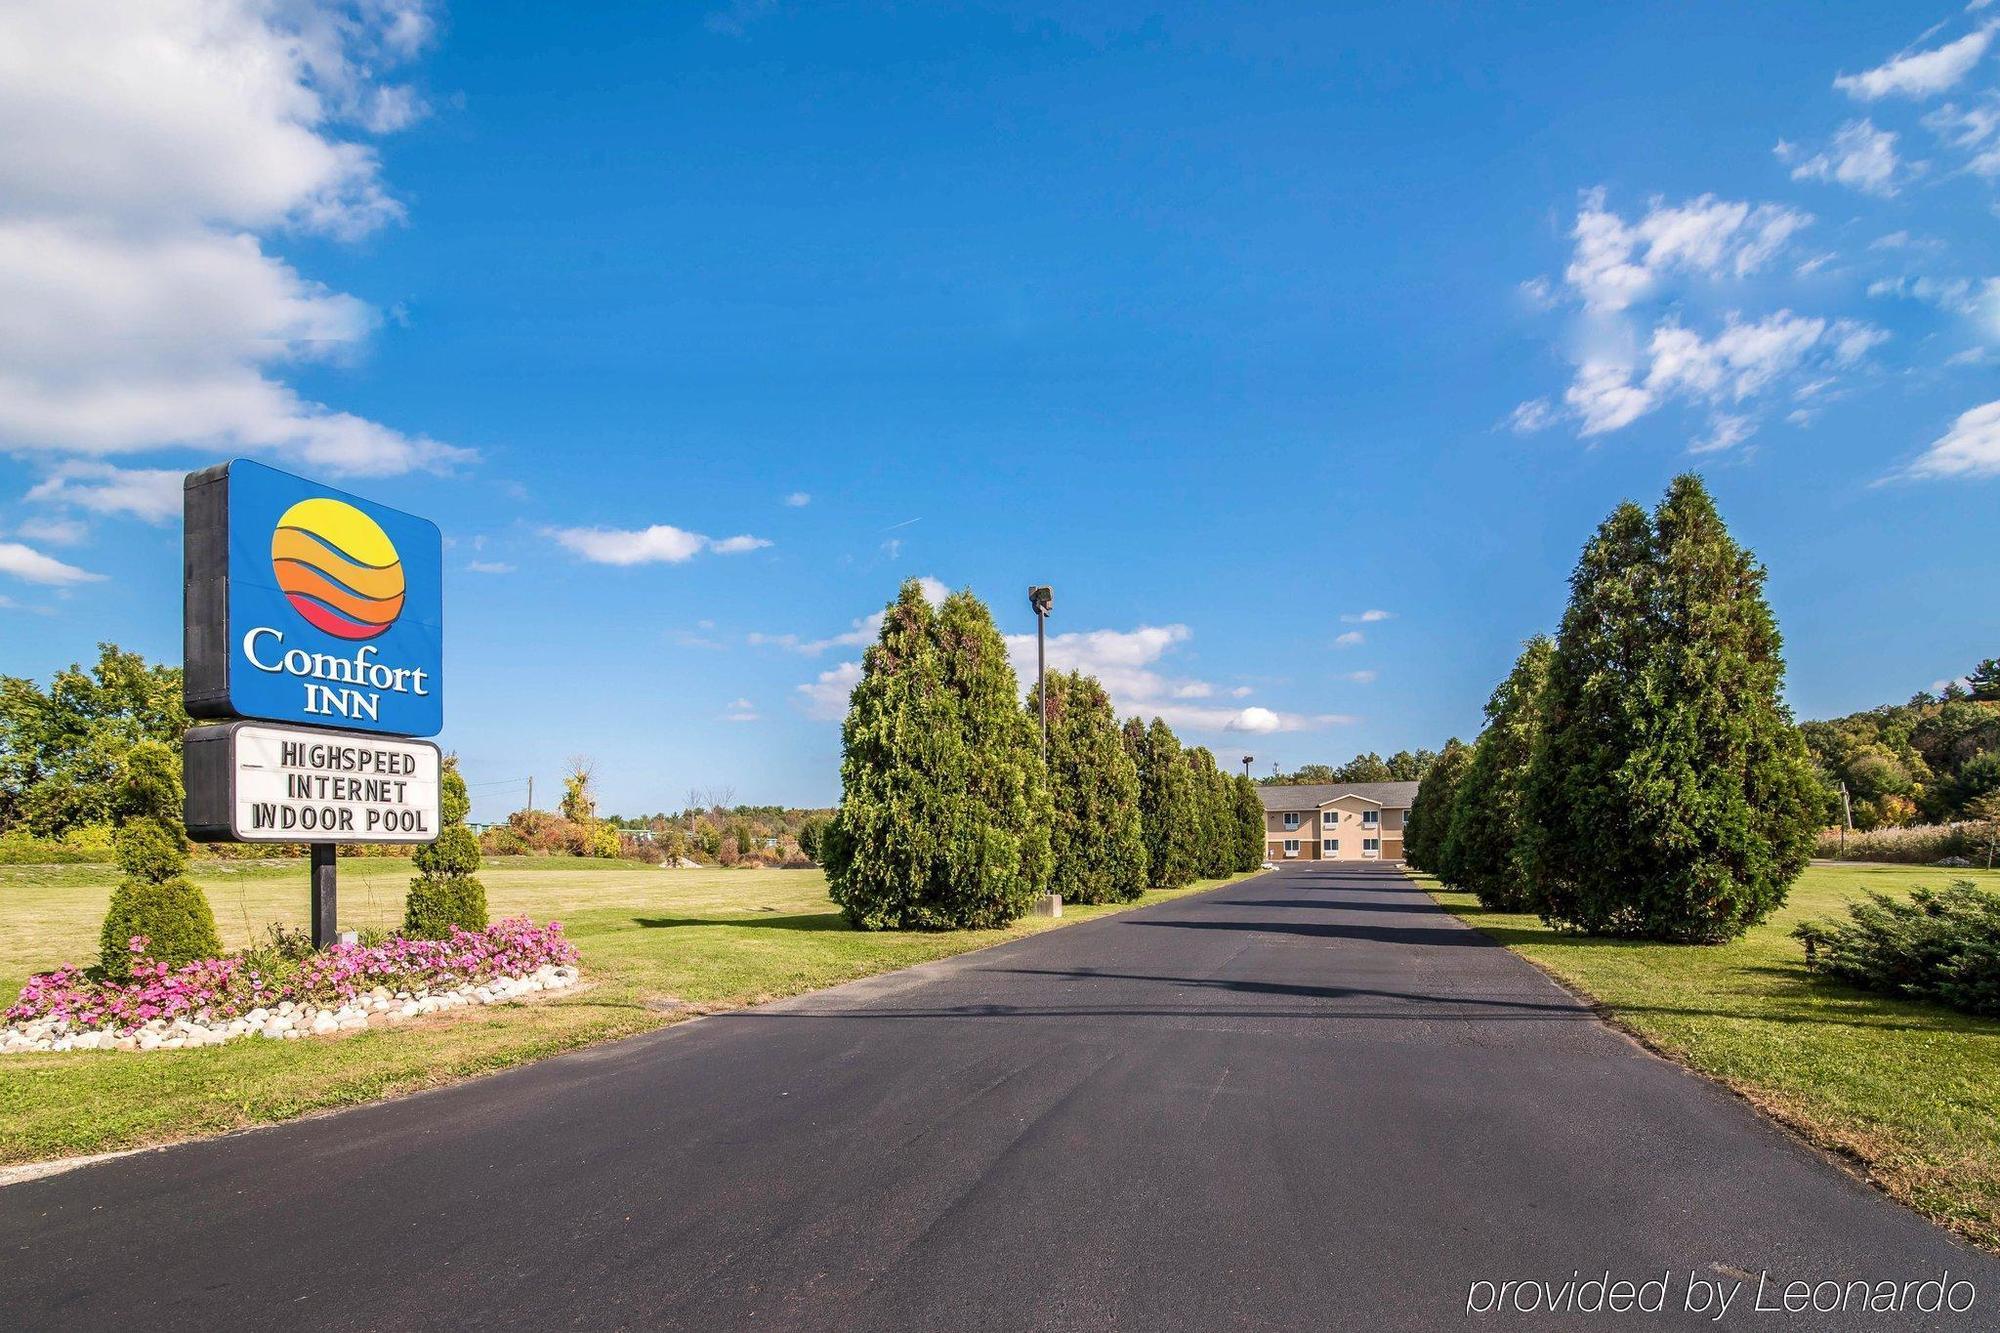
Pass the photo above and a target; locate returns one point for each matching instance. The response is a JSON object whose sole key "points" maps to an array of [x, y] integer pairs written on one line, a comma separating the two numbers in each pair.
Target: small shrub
{"points": [[1941, 945], [447, 894], [500, 840], [156, 901], [89, 845], [172, 917]]}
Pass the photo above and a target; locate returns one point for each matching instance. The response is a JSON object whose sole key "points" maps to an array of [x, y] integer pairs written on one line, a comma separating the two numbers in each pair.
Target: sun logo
{"points": [[338, 568]]}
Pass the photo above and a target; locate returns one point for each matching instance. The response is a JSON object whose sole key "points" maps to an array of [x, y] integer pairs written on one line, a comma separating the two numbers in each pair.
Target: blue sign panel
{"points": [[326, 609]]}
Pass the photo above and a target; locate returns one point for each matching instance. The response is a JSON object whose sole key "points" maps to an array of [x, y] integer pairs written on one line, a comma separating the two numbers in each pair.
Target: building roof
{"points": [[1391, 795]]}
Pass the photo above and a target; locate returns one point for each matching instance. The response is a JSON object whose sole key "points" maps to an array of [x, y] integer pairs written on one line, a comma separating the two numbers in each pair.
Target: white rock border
{"points": [[286, 1022]]}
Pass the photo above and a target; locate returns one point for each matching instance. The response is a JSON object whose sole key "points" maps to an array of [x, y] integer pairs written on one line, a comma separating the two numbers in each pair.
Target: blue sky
{"points": [[1299, 351]]}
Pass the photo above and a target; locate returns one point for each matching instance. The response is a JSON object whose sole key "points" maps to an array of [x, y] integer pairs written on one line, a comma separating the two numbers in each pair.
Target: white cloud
{"points": [[1604, 398], [1531, 416], [1368, 617], [1741, 361], [1359, 677], [1971, 448], [893, 547], [490, 567], [662, 543], [1353, 638], [154, 494], [1725, 432], [861, 631], [55, 531], [1919, 73], [1241, 692], [1539, 292], [824, 698], [1129, 663], [143, 151], [798, 499], [1616, 263], [25, 562], [742, 710], [1126, 661], [1861, 157], [1965, 126]]}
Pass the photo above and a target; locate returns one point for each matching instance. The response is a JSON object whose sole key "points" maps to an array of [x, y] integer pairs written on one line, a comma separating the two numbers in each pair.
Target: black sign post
{"points": [[326, 913]]}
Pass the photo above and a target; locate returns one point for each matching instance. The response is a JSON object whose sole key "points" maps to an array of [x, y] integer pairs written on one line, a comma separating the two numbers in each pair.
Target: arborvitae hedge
{"points": [[155, 899], [944, 813], [1215, 849], [1487, 854], [1249, 826], [1099, 853], [1168, 813], [1671, 797], [1429, 819], [446, 891]]}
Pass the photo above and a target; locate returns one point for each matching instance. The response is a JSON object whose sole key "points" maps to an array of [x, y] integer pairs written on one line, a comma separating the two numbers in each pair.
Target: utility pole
{"points": [[1846, 818], [1248, 759], [531, 791], [1042, 597]]}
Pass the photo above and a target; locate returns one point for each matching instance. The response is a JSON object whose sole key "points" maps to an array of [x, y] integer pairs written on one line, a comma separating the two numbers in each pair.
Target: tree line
{"points": [[949, 817], [1638, 774], [1935, 759], [1402, 766]]}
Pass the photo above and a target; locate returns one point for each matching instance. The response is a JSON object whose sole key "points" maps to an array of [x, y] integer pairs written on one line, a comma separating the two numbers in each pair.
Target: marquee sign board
{"points": [[253, 782], [306, 604]]}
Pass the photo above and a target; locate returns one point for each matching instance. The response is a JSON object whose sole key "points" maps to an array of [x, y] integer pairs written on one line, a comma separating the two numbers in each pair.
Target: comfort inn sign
{"points": [[310, 605]]}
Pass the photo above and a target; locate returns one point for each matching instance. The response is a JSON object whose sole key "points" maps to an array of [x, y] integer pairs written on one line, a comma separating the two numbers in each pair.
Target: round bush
{"points": [[173, 916], [435, 905], [456, 852]]}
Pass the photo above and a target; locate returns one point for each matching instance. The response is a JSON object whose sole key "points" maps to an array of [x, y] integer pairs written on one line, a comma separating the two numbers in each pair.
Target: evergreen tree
{"points": [[1098, 851], [1215, 844], [1430, 814], [155, 899], [1249, 824], [446, 891], [1983, 681], [1488, 853], [1671, 797], [944, 813], [1167, 810]]}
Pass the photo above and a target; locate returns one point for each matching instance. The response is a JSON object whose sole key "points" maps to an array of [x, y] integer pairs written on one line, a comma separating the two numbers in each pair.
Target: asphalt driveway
{"points": [[1307, 1100]]}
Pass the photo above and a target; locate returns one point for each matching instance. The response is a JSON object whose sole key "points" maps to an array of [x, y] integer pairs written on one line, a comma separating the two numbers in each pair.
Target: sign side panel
{"points": [[205, 647]]}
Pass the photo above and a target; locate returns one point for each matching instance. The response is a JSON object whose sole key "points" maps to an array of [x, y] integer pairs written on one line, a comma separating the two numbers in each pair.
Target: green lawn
{"points": [[1909, 1091], [658, 946]]}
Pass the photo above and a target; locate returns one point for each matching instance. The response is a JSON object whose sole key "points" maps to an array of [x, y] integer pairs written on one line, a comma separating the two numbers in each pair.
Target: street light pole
{"points": [[1041, 597], [1248, 759]]}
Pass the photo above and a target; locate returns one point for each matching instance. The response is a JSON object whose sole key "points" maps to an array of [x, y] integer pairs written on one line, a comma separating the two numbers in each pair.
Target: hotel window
{"points": [[1292, 821], [1329, 816], [1333, 844], [1371, 844], [1291, 847], [1369, 818]]}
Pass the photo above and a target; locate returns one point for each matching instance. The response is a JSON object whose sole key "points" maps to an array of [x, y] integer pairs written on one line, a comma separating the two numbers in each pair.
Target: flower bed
{"points": [[346, 987]]}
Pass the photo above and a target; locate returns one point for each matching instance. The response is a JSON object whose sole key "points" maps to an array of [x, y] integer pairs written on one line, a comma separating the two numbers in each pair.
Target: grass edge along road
{"points": [[1907, 1091], [658, 946]]}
